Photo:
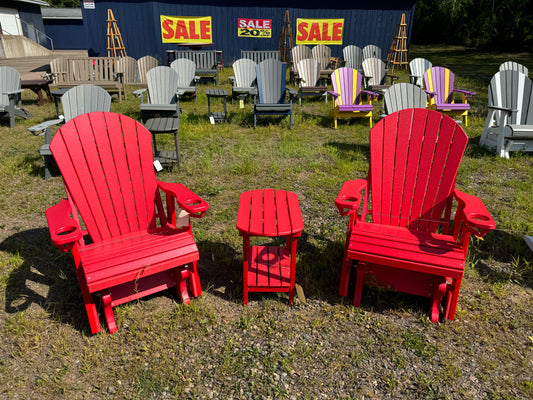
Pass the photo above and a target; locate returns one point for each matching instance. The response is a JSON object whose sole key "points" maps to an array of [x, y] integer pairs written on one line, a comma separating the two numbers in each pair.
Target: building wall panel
{"points": [[138, 21]]}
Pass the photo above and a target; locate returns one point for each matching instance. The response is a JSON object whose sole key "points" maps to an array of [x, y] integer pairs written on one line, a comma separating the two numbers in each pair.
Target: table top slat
{"points": [[282, 214], [243, 217], [256, 214], [297, 222], [269, 219]]}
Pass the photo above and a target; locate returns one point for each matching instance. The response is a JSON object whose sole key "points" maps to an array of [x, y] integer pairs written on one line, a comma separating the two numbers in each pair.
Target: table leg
{"points": [[291, 244], [245, 256]]}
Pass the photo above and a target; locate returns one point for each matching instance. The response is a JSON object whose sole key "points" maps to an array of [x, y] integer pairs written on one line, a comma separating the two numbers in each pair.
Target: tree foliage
{"points": [[489, 24], [64, 3]]}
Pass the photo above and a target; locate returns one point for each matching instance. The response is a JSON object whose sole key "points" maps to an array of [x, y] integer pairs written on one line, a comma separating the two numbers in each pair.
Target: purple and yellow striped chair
{"points": [[347, 96], [439, 87]]}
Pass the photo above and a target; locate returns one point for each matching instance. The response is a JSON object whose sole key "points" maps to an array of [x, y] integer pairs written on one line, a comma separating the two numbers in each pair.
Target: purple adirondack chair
{"points": [[347, 95], [439, 87]]}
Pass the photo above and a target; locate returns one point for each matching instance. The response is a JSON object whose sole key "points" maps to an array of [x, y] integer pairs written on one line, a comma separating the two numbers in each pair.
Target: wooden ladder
{"points": [[115, 46], [285, 39], [397, 56]]}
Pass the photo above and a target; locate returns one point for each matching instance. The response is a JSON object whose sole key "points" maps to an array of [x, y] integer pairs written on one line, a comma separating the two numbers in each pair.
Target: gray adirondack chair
{"points": [[371, 51], [322, 54], [76, 101], [375, 75], [309, 80], [417, 67], [244, 78], [401, 96], [270, 93], [128, 67], [187, 79], [298, 52], [509, 123], [512, 65], [145, 64], [10, 95], [353, 57], [162, 99]]}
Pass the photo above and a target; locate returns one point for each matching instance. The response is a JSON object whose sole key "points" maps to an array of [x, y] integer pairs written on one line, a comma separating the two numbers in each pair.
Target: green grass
{"points": [[216, 346]]}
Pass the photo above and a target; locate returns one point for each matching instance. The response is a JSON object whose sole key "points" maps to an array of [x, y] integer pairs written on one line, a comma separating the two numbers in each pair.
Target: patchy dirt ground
{"points": [[216, 348]]}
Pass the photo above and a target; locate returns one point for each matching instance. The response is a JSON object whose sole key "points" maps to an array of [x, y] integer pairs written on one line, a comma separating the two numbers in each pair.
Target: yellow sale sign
{"points": [[186, 29], [319, 31]]}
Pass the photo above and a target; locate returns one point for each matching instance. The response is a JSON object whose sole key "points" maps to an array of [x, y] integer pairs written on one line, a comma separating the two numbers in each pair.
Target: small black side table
{"points": [[220, 93], [165, 125]]}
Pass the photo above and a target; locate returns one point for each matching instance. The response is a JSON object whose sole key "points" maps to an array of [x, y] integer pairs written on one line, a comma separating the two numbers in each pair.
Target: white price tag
{"points": [[212, 119], [158, 166]]}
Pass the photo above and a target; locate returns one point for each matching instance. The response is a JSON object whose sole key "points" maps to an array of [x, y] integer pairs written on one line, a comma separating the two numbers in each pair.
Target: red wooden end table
{"points": [[269, 213]]}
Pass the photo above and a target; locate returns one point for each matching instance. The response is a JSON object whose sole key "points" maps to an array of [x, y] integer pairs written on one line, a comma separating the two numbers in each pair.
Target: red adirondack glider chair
{"points": [[401, 231], [125, 246]]}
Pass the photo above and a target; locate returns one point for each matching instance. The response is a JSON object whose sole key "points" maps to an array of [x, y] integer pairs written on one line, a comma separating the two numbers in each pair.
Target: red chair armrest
{"points": [[186, 198], [475, 214], [349, 198], [64, 230]]}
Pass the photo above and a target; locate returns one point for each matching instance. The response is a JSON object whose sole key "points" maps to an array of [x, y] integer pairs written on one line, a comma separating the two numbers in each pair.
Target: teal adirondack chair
{"points": [[270, 95]]}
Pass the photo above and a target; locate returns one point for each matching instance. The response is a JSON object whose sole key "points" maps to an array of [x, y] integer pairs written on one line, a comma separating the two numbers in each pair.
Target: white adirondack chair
{"points": [[309, 80], [298, 52], [371, 51], [243, 80], [514, 66], [375, 75], [322, 54], [353, 57], [187, 79], [509, 123], [417, 67], [145, 64]]}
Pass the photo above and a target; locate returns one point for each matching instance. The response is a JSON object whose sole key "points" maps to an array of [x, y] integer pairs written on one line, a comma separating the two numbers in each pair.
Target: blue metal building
{"points": [[23, 17], [365, 22], [65, 27]]}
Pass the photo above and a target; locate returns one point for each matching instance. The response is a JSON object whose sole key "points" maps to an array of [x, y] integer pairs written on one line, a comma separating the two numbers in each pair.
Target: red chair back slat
{"points": [[414, 161], [108, 173]]}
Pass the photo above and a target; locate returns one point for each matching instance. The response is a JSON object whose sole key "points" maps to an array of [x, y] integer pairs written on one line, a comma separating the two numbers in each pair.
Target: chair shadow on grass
{"points": [[46, 278]]}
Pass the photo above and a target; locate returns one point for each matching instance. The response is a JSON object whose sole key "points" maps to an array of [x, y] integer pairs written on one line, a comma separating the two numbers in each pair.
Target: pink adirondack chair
{"points": [[135, 248], [439, 87], [347, 96], [400, 230]]}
